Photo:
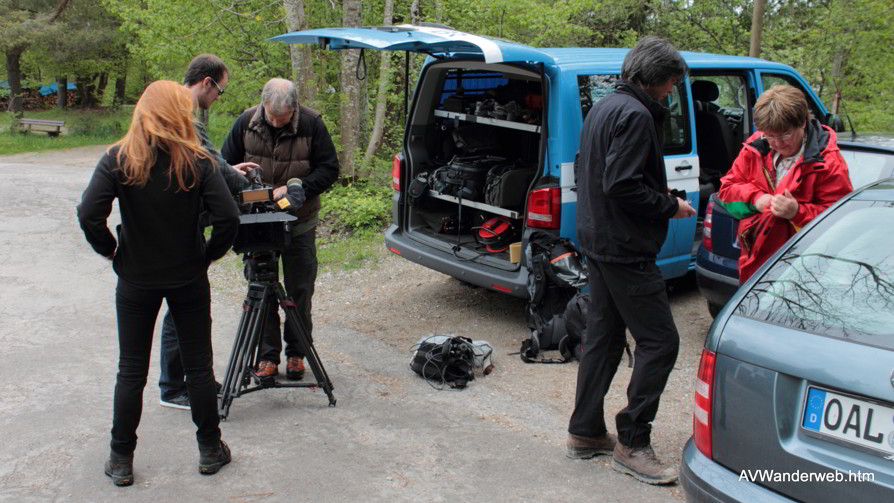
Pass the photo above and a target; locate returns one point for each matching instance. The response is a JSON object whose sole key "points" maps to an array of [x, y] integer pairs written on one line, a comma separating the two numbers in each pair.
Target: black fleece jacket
{"points": [[160, 241], [623, 206]]}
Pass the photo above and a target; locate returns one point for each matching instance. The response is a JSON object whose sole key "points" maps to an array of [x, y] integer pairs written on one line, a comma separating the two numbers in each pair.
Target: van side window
{"points": [[769, 80], [676, 125]]}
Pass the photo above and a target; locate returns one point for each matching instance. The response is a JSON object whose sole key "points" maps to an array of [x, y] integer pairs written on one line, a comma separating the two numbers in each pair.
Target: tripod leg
{"points": [[295, 323], [251, 325]]}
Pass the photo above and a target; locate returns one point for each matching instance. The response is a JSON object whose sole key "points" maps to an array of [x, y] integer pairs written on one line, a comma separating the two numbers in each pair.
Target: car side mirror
{"points": [[835, 122]]}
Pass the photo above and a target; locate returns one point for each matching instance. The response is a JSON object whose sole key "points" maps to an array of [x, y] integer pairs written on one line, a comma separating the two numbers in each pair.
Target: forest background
{"points": [[111, 49]]}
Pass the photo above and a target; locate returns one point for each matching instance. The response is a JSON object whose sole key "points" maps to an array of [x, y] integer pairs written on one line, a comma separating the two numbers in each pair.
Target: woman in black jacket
{"points": [[163, 179]]}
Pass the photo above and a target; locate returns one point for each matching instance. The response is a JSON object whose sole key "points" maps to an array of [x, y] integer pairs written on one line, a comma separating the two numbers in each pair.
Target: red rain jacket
{"points": [[817, 180]]}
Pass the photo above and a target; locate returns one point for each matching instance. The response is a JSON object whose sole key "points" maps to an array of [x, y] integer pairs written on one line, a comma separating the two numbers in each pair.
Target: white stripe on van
{"points": [[568, 183], [490, 50]]}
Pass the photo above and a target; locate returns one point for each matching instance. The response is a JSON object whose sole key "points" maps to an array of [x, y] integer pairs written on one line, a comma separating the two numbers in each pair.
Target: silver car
{"points": [[795, 390]]}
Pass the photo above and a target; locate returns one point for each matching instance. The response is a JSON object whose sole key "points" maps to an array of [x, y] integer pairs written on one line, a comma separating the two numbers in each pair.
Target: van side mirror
{"points": [[834, 121]]}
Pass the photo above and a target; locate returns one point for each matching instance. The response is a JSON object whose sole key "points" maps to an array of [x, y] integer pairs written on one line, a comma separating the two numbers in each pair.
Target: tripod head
{"points": [[261, 267]]}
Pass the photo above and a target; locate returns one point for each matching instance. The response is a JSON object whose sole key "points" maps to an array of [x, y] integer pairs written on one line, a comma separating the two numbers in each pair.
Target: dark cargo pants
{"points": [[624, 296], [299, 273]]}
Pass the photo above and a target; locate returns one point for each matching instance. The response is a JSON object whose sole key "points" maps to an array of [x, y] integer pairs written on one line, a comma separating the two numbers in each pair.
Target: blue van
{"points": [[492, 133]]}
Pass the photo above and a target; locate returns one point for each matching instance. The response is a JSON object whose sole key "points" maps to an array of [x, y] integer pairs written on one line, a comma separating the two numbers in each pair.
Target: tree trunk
{"points": [[378, 132], [120, 89], [439, 11], [88, 91], [350, 94], [14, 75], [81, 85], [415, 18], [61, 92], [302, 66], [415, 12], [757, 26], [103, 83], [121, 81]]}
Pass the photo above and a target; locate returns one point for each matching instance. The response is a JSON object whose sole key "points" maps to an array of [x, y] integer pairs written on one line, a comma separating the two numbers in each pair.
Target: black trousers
{"points": [[171, 381], [299, 271], [137, 311], [624, 296]]}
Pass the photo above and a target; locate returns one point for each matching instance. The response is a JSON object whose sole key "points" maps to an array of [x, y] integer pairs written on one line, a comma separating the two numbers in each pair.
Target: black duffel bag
{"points": [[464, 177]]}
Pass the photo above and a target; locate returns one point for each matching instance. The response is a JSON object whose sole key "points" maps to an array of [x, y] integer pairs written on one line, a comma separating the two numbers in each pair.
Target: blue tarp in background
{"points": [[52, 88], [44, 90]]}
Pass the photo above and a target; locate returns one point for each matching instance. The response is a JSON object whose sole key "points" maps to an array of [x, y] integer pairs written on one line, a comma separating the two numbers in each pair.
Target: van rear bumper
{"points": [[509, 282]]}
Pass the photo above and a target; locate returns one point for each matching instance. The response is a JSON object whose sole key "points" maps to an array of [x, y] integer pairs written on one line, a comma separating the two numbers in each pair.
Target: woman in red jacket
{"points": [[787, 173], [163, 179]]}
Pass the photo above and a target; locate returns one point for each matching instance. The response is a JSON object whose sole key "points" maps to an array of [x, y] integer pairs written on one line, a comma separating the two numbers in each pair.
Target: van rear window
{"points": [[472, 83]]}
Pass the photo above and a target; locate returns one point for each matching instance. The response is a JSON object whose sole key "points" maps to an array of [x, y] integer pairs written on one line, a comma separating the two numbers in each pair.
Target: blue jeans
{"points": [[172, 381]]}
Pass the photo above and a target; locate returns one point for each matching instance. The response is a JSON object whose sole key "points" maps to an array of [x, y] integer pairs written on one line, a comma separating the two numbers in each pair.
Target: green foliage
{"points": [[82, 128], [345, 253], [361, 206]]}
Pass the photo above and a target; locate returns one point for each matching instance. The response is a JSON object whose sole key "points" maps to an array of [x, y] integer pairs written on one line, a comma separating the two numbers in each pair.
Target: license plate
{"points": [[849, 419]]}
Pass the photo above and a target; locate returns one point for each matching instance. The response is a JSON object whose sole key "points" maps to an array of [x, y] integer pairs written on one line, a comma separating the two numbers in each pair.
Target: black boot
{"points": [[210, 460], [120, 469]]}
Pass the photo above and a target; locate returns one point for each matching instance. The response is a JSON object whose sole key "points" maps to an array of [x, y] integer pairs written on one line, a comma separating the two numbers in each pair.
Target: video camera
{"points": [[264, 225]]}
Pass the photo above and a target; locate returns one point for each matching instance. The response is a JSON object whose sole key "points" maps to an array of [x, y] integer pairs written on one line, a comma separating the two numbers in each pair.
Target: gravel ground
{"points": [[385, 308], [398, 302]]}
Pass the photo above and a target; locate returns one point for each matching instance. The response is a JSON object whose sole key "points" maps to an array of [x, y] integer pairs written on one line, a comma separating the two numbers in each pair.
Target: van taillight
{"points": [[544, 207], [396, 165], [704, 396], [707, 241]]}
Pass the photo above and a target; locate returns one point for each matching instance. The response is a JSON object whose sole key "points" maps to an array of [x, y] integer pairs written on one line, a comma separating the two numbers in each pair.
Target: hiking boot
{"points": [[642, 464], [120, 469], [295, 368], [267, 368], [587, 447], [178, 402], [210, 460]]}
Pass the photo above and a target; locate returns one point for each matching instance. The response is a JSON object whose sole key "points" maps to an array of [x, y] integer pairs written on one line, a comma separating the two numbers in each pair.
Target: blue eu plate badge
{"points": [[816, 402]]}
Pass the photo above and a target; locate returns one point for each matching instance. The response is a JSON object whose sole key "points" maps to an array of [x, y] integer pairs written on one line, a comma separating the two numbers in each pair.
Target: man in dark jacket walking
{"points": [[289, 141], [623, 210]]}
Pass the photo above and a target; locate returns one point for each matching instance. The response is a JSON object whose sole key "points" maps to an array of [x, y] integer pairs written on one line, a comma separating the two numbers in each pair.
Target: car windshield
{"points": [[838, 280]]}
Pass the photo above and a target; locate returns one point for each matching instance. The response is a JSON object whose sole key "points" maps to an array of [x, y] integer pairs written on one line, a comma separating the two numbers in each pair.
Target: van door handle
{"points": [[683, 167]]}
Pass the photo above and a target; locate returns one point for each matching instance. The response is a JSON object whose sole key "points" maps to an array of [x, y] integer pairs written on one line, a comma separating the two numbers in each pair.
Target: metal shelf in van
{"points": [[473, 204], [487, 120]]}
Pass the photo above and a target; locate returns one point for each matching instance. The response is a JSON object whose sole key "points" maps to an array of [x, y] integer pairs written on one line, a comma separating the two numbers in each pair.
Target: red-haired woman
{"points": [[163, 179]]}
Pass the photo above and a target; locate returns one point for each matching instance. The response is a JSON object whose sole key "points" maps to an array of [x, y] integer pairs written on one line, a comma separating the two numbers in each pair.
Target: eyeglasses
{"points": [[219, 90], [782, 137]]}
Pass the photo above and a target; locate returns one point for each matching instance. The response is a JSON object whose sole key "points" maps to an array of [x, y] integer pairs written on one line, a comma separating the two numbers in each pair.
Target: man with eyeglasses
{"points": [[206, 77], [786, 174]]}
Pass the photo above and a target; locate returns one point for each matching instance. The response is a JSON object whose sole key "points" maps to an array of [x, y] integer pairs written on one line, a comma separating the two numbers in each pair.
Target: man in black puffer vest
{"points": [[288, 140], [623, 210]]}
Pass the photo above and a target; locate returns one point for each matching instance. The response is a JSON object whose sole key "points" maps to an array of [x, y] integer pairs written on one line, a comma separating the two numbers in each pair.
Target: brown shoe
{"points": [[642, 464], [266, 369], [295, 368], [587, 447]]}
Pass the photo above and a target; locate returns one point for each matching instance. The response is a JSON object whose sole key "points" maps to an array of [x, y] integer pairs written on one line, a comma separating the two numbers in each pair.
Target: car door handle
{"points": [[683, 167]]}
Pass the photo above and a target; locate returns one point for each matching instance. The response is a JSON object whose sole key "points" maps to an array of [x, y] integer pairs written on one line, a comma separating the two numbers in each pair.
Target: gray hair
{"points": [[279, 96], [652, 62]]}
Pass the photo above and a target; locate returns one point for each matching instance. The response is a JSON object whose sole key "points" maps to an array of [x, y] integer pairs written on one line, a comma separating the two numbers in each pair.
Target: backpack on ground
{"points": [[556, 273]]}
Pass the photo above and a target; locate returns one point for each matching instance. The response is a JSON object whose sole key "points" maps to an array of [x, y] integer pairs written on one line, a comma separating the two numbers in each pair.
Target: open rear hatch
{"points": [[474, 139]]}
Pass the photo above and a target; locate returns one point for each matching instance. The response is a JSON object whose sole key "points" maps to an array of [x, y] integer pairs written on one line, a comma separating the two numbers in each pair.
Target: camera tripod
{"points": [[264, 291]]}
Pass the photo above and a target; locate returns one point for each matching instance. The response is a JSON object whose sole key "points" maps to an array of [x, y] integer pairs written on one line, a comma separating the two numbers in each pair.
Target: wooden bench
{"points": [[52, 128]]}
